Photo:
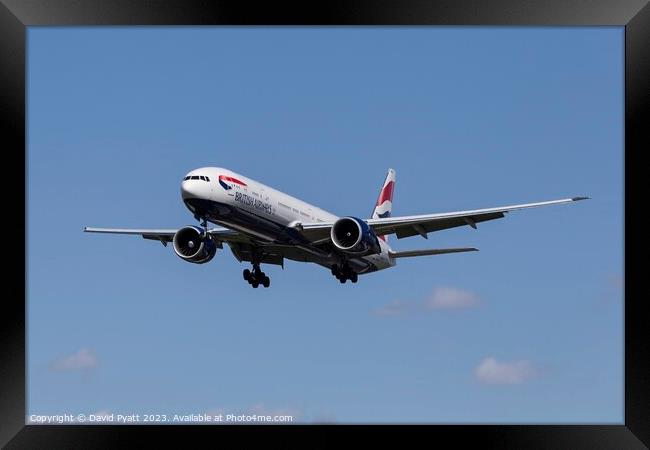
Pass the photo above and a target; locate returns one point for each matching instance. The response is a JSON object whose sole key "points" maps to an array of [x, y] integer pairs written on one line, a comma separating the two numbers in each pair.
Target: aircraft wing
{"points": [[406, 226], [167, 235], [241, 245]]}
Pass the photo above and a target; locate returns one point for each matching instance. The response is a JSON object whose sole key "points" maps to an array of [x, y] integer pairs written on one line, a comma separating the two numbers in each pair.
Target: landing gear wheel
{"points": [[344, 273], [256, 277]]}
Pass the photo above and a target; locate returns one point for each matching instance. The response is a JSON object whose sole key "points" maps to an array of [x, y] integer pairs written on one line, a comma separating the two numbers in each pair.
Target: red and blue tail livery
{"points": [[384, 204]]}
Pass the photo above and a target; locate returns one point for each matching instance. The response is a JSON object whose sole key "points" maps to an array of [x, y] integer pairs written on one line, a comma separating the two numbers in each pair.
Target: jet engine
{"points": [[353, 235], [192, 246]]}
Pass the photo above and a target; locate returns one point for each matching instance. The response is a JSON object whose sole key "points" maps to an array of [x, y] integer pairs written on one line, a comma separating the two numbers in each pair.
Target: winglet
{"points": [[575, 199]]}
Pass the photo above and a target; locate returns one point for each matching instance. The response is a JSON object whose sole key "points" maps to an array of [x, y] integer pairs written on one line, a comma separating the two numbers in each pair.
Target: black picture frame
{"points": [[634, 15]]}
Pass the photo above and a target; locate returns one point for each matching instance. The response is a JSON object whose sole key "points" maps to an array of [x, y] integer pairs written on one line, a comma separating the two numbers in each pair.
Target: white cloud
{"points": [[440, 298], [451, 298], [490, 371], [393, 308], [82, 360]]}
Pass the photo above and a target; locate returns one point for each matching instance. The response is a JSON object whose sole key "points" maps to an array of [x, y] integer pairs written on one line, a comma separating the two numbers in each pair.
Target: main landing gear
{"points": [[256, 277], [344, 273]]}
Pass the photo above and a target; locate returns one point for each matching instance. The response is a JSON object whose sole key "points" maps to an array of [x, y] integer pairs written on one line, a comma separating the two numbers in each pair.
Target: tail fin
{"points": [[384, 204]]}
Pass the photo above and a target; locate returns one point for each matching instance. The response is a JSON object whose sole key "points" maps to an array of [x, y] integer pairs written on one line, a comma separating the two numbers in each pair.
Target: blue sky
{"points": [[528, 330]]}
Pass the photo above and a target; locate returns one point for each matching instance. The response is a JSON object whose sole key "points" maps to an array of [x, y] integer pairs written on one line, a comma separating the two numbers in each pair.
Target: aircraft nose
{"points": [[190, 189]]}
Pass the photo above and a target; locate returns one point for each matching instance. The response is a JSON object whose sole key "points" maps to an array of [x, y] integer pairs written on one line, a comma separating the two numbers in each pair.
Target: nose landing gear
{"points": [[203, 223], [256, 277], [344, 273]]}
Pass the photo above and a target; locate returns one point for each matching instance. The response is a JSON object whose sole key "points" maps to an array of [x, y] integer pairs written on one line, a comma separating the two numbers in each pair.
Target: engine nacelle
{"points": [[353, 235], [190, 245]]}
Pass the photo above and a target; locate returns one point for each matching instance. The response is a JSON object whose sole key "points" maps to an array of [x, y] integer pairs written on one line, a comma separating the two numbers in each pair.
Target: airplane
{"points": [[264, 226]]}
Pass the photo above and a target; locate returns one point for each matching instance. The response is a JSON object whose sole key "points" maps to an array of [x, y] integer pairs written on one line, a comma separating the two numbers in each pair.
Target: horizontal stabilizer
{"points": [[433, 251]]}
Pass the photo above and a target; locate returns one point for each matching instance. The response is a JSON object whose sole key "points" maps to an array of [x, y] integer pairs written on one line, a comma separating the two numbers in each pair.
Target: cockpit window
{"points": [[196, 177]]}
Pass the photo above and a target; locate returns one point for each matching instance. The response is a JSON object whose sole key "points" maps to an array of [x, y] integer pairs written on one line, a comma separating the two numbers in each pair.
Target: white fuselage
{"points": [[237, 202]]}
